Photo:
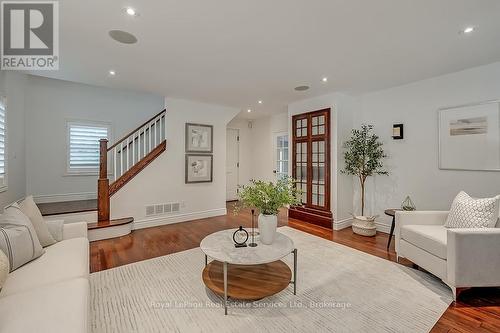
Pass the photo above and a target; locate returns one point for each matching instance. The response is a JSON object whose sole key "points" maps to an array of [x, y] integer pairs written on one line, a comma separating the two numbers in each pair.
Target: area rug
{"points": [[339, 290]]}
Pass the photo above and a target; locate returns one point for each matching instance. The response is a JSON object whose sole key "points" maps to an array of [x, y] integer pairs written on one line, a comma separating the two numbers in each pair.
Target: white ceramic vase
{"points": [[267, 228]]}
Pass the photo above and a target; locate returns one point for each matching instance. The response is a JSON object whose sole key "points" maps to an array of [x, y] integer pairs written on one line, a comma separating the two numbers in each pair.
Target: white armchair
{"points": [[462, 258]]}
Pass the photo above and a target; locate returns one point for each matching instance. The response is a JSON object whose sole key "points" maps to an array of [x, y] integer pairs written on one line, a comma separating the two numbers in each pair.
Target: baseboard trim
{"points": [[346, 223], [171, 219], [46, 198], [342, 224]]}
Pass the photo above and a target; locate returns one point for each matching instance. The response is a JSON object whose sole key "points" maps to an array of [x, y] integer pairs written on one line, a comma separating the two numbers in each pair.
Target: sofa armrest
{"points": [[417, 217], [473, 257], [75, 230]]}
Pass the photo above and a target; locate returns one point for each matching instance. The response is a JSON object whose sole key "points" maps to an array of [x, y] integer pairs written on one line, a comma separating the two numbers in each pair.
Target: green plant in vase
{"points": [[269, 198]]}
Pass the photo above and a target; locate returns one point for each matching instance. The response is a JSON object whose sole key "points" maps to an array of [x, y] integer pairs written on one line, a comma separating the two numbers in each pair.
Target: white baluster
{"points": [[133, 149], [155, 133], [121, 158], [150, 130], [144, 141], [115, 162], [128, 159]]}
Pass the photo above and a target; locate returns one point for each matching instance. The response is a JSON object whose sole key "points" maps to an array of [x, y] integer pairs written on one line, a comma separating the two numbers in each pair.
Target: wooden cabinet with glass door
{"points": [[311, 166]]}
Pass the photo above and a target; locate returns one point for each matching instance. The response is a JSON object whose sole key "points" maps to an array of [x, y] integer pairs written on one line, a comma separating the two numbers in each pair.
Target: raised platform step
{"points": [[110, 223], [67, 207]]}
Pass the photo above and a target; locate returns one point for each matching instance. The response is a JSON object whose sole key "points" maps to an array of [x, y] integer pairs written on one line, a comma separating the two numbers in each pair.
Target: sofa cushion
{"points": [[4, 268], [30, 209], [61, 307], [62, 261], [468, 212], [431, 238], [18, 239]]}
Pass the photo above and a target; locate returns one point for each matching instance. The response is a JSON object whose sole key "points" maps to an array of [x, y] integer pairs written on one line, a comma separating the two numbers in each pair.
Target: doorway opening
{"points": [[232, 163]]}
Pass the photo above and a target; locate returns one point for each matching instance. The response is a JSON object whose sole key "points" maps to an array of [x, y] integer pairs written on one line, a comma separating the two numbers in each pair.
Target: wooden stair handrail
{"points": [[136, 129]]}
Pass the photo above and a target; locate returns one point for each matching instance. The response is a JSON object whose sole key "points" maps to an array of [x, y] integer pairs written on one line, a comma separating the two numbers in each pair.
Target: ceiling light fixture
{"points": [[249, 110], [260, 102], [468, 30], [325, 79], [130, 11], [122, 36], [301, 88], [112, 73]]}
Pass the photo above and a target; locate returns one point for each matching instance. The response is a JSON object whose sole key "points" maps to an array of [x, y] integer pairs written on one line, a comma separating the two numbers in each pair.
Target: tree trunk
{"points": [[362, 197]]}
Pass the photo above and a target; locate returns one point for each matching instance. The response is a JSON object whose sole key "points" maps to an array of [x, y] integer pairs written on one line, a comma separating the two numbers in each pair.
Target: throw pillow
{"points": [[468, 212], [4, 268], [30, 209], [18, 239]]}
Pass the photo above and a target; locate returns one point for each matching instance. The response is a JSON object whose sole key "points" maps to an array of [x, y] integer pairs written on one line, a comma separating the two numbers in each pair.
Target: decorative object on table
{"points": [[397, 132], [199, 168], [363, 158], [268, 198], [469, 137], [252, 243], [199, 138], [408, 204], [391, 213], [240, 237]]}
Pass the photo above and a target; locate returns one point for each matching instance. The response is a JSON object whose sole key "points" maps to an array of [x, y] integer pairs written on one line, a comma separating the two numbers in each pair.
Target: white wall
{"points": [[413, 162], [163, 180], [49, 105], [12, 86], [341, 114]]}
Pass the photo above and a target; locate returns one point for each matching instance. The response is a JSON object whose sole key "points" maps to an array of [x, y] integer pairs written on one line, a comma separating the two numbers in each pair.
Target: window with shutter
{"points": [[83, 146], [3, 146]]}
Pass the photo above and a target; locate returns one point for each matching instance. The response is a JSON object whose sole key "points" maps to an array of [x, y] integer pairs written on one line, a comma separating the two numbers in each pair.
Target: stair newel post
{"points": [[103, 183]]}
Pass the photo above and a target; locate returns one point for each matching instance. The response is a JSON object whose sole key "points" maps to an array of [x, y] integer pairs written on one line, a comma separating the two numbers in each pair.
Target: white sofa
{"points": [[462, 258], [50, 293]]}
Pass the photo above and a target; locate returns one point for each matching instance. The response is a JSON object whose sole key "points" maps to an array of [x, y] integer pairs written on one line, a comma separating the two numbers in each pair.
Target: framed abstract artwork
{"points": [[469, 137], [199, 168], [199, 138]]}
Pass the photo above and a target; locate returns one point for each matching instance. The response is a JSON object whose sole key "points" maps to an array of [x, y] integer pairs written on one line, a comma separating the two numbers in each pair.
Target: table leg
{"points": [[295, 271], [225, 288], [206, 260], [392, 231]]}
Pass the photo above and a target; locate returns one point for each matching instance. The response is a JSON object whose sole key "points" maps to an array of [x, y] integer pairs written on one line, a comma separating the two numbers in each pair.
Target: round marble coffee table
{"points": [[247, 273]]}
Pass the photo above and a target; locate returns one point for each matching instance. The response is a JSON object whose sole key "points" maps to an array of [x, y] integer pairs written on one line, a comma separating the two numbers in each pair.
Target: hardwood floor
{"points": [[478, 309]]}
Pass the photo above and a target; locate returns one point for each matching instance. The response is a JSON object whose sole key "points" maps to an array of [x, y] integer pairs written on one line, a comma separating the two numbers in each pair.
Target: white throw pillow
{"points": [[468, 212], [56, 229], [30, 209], [18, 239], [4, 268]]}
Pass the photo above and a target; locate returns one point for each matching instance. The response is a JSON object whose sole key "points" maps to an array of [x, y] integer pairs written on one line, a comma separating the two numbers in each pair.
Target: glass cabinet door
{"points": [[311, 157]]}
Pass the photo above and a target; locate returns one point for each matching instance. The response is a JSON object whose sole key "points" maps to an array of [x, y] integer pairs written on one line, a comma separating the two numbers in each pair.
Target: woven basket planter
{"points": [[364, 225]]}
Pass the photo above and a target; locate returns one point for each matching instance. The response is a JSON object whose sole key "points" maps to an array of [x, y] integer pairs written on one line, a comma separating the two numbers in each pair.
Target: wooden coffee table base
{"points": [[250, 282]]}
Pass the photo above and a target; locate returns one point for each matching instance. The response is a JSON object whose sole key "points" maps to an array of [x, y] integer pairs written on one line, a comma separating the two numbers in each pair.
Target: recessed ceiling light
{"points": [[112, 73], [468, 30], [301, 88], [249, 110], [122, 36], [130, 11], [325, 79], [260, 102]]}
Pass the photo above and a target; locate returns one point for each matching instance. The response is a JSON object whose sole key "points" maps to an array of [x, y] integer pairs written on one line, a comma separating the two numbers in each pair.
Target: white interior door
{"points": [[281, 155], [232, 163]]}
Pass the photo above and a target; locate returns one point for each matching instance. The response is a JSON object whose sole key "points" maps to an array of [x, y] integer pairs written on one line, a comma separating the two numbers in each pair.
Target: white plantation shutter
{"points": [[84, 146], [3, 162]]}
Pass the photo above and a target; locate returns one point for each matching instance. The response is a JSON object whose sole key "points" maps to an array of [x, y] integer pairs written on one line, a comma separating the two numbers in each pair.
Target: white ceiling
{"points": [[236, 52]]}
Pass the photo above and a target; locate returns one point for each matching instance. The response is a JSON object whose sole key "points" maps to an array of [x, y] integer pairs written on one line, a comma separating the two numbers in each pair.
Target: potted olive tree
{"points": [[268, 198], [363, 158]]}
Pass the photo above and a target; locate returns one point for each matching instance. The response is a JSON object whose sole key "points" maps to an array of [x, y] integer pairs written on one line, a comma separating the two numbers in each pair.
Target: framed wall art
{"points": [[199, 168], [199, 138], [469, 137]]}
